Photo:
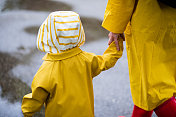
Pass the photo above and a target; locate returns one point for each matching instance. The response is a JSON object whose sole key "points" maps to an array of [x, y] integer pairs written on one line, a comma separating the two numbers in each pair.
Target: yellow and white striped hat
{"points": [[61, 31]]}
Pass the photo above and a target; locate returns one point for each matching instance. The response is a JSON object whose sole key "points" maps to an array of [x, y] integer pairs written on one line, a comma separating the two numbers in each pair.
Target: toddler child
{"points": [[64, 81]]}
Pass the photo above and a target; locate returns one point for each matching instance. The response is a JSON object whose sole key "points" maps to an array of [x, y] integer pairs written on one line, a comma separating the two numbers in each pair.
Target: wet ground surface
{"points": [[19, 58], [92, 27], [13, 88], [35, 5]]}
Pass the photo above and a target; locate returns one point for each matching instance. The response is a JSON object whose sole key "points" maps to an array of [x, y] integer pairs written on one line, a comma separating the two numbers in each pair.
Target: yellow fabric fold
{"points": [[64, 82], [151, 48], [117, 15]]}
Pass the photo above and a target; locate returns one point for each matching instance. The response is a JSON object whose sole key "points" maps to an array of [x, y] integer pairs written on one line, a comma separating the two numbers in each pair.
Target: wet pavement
{"points": [[19, 58], [35, 5]]}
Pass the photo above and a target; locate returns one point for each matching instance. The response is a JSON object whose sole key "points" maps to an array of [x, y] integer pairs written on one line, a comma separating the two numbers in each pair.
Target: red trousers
{"points": [[167, 109]]}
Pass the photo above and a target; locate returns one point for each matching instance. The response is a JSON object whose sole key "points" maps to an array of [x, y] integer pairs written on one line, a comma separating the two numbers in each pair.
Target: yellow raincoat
{"points": [[151, 48], [64, 82]]}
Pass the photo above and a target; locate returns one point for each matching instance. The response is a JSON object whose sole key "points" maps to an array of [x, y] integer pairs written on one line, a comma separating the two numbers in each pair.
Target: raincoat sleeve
{"points": [[107, 60], [117, 15], [40, 90]]}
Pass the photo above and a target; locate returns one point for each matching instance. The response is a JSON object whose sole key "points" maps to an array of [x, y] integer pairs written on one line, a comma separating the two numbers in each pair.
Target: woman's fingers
{"points": [[117, 44], [111, 39], [114, 37]]}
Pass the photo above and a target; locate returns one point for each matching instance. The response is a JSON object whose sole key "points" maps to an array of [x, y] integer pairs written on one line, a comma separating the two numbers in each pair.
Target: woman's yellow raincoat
{"points": [[151, 48], [64, 82]]}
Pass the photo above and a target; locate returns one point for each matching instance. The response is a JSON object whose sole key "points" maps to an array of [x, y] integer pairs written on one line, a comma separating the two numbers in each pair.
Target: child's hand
{"points": [[115, 37]]}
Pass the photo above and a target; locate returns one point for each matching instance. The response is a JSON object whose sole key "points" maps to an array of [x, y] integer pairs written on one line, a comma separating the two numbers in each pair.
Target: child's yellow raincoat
{"points": [[64, 80], [151, 48]]}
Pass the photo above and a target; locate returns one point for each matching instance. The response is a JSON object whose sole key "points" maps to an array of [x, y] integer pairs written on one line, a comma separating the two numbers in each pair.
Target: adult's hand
{"points": [[115, 37]]}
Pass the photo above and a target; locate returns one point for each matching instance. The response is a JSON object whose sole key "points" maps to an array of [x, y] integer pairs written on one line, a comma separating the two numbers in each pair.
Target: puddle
{"points": [[92, 27], [13, 89], [32, 29], [35, 5]]}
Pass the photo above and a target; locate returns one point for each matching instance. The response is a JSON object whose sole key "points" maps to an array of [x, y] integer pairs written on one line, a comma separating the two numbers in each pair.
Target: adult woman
{"points": [[151, 49]]}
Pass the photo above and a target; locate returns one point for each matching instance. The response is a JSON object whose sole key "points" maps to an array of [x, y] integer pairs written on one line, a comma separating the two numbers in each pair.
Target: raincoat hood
{"points": [[61, 31], [151, 45]]}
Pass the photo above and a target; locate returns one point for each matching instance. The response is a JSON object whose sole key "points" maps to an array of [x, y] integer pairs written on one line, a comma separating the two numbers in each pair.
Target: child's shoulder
{"points": [[88, 55], [45, 66]]}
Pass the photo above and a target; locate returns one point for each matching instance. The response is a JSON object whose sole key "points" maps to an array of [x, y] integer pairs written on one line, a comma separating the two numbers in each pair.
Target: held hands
{"points": [[115, 37]]}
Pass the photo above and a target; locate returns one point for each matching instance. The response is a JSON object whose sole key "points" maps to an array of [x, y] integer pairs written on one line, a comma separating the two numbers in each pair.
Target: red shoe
{"points": [[167, 109], [138, 112]]}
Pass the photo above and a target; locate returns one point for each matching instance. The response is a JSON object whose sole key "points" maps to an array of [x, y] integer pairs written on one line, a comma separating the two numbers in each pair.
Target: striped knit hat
{"points": [[61, 31]]}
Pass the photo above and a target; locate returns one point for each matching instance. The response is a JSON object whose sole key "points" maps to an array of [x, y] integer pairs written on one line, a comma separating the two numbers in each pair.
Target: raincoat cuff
{"points": [[112, 27]]}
